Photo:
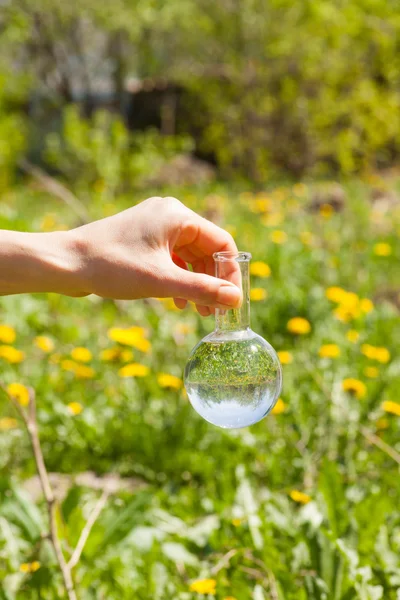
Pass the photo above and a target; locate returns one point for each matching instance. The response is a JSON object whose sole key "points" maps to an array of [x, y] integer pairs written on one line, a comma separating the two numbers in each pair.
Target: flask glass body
{"points": [[233, 376]]}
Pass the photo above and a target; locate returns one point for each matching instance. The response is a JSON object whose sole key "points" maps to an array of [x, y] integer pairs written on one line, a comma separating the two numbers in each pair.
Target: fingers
{"points": [[203, 290]]}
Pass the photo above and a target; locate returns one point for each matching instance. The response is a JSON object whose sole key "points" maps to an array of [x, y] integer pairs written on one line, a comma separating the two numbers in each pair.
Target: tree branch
{"points": [[87, 529]]}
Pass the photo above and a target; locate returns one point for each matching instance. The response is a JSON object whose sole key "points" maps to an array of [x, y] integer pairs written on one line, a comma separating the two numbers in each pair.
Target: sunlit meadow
{"points": [[303, 505]]}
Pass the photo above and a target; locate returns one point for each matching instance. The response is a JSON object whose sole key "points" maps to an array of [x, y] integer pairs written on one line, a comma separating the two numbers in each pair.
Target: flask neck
{"points": [[234, 268]]}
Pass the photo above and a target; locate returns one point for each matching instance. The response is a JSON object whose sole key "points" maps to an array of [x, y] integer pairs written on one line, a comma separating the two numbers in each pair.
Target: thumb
{"points": [[204, 289]]}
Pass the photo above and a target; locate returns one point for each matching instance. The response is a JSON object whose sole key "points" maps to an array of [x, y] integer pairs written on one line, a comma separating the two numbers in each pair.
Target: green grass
{"points": [[210, 493]]}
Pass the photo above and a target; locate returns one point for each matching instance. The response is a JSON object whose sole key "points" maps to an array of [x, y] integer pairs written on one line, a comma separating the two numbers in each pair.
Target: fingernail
{"points": [[229, 295]]}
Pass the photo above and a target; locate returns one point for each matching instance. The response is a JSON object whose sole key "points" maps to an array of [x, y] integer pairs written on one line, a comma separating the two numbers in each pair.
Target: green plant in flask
{"points": [[233, 376]]}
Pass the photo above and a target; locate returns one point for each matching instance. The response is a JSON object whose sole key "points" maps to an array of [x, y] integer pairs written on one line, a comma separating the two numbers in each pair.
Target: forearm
{"points": [[40, 262]]}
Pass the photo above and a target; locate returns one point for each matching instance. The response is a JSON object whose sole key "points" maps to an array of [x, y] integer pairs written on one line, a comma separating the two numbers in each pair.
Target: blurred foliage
{"points": [[299, 87], [299, 506]]}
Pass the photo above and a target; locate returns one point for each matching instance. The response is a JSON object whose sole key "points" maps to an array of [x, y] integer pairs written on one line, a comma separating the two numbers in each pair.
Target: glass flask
{"points": [[233, 377]]}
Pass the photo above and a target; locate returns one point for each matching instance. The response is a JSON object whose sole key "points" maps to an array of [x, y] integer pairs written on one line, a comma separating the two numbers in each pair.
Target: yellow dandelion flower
{"points": [[69, 365], [81, 354], [326, 211], [391, 407], [382, 355], [30, 567], [229, 598], [44, 343], [260, 269], [335, 294], [134, 370], [75, 408], [278, 236], [379, 354], [298, 326], [165, 380], [237, 522], [134, 336], [382, 249], [258, 294], [279, 407], [366, 305], [204, 586], [299, 497], [329, 351], [371, 372], [7, 334], [285, 357], [20, 392], [354, 386], [8, 423], [11, 354], [353, 336], [84, 372], [110, 354]]}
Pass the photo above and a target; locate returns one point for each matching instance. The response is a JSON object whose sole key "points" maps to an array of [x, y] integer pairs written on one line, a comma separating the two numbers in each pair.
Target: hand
{"points": [[144, 251]]}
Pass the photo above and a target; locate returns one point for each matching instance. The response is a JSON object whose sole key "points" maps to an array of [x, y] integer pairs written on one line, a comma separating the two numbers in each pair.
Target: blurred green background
{"points": [[279, 121]]}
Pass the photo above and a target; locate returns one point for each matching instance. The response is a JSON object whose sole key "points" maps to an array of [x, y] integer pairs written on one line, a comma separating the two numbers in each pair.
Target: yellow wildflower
{"points": [[366, 305], [326, 211], [44, 343], [81, 371], [11, 354], [7, 334], [285, 357], [8, 423], [379, 354], [300, 497], [278, 236], [134, 370], [229, 598], [354, 386], [391, 407], [371, 372], [353, 336], [20, 392], [258, 294], [204, 586], [382, 355], [134, 336], [110, 354], [279, 407], [165, 380], [298, 326], [335, 294], [382, 249], [69, 365], [84, 372], [81, 354], [30, 567], [260, 269], [329, 351], [237, 522], [75, 408]]}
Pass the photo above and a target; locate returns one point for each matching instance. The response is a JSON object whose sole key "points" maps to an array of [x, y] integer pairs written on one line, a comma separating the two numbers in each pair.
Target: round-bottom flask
{"points": [[233, 376]]}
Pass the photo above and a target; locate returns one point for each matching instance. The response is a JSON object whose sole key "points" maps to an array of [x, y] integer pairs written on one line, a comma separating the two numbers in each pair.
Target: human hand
{"points": [[144, 252]]}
